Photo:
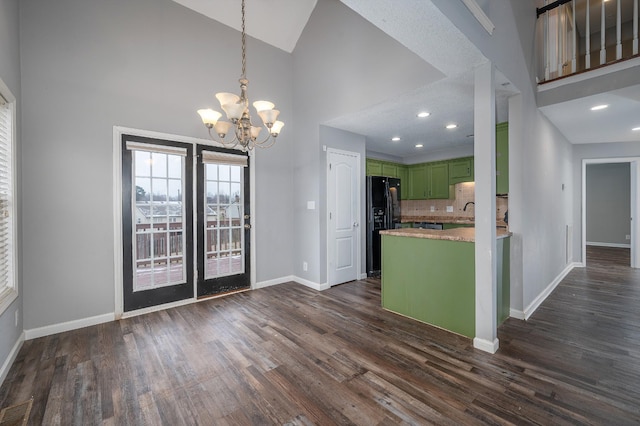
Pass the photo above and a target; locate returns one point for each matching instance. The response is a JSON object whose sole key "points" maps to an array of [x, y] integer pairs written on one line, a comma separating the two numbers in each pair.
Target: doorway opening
{"points": [[609, 206]]}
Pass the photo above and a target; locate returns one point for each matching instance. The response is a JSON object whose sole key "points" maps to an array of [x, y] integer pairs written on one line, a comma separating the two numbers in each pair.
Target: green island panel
{"points": [[430, 280]]}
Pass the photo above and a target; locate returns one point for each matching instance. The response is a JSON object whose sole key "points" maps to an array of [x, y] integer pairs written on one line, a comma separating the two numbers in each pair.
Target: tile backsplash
{"points": [[464, 193]]}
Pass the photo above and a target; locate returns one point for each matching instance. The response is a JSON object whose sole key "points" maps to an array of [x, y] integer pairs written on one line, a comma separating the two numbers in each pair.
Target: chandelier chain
{"points": [[244, 46]]}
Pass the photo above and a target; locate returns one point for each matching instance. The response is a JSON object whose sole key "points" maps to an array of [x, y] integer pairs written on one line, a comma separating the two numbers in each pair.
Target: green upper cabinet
{"points": [[374, 167], [417, 188], [383, 168], [461, 170], [438, 180], [403, 174], [502, 158], [389, 170]]}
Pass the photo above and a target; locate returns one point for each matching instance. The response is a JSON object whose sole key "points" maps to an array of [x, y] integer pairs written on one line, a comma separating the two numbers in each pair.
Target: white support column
{"points": [[484, 149], [618, 33], [603, 30], [587, 57], [574, 36], [635, 27]]}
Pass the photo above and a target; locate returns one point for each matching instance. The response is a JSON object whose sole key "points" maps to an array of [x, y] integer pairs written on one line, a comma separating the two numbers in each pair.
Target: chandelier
{"points": [[237, 109]]}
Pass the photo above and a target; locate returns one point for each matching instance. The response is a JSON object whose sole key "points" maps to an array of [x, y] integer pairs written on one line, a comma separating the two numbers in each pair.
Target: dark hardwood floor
{"points": [[290, 355]]}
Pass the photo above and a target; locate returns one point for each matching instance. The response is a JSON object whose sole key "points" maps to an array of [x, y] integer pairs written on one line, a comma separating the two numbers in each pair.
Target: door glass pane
{"points": [[159, 216], [224, 236]]}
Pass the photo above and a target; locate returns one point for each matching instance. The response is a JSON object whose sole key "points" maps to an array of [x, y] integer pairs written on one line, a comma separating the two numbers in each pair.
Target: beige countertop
{"points": [[446, 219], [456, 234]]}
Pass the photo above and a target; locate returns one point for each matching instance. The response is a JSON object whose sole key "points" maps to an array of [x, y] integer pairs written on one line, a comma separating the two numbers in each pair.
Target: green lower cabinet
{"points": [[423, 279], [456, 225], [433, 281]]}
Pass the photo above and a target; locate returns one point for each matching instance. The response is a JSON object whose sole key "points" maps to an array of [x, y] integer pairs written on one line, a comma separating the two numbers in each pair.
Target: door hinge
{"points": [[329, 215], [329, 166]]}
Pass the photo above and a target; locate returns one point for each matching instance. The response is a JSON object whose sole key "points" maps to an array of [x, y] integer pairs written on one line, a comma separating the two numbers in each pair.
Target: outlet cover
{"points": [[305, 266], [449, 209], [432, 208]]}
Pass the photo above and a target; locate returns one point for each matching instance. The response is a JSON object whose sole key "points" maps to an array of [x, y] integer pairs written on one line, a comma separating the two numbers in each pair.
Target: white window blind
{"points": [[209, 157], [165, 149], [7, 246]]}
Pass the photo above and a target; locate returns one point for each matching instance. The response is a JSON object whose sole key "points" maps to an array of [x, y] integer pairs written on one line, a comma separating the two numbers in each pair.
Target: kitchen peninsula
{"points": [[429, 275]]}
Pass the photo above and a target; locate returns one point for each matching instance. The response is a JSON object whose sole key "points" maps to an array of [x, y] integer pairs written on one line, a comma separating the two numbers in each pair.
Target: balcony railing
{"points": [[579, 35]]}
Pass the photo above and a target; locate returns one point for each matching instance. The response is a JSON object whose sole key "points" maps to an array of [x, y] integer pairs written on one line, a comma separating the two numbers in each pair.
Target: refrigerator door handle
{"points": [[389, 209]]}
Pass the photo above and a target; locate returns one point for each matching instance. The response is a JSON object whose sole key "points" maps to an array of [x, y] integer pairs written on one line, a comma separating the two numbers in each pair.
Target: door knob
{"points": [[247, 226], [356, 224]]}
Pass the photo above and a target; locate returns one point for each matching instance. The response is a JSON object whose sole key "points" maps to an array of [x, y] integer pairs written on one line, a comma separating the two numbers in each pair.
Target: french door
{"points": [[223, 221], [158, 205]]}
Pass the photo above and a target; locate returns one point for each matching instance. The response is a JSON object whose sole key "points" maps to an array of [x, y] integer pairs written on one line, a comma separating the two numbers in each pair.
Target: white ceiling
{"points": [[276, 22], [281, 22], [613, 124]]}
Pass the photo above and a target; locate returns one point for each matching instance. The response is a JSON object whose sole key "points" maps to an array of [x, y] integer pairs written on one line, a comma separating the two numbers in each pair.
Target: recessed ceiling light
{"points": [[451, 126], [599, 107], [424, 114], [635, 129], [419, 145], [395, 138]]}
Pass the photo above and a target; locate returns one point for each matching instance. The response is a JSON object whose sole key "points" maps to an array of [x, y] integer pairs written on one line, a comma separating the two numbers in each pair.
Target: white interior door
{"points": [[343, 216]]}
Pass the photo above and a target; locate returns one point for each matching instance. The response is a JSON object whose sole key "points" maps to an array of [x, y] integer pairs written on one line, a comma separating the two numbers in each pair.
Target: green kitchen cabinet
{"points": [[438, 180], [417, 182], [403, 174], [461, 170], [374, 167], [389, 170], [457, 225], [502, 158]]}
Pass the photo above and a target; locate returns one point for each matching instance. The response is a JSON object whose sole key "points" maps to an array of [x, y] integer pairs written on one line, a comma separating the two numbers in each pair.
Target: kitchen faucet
{"points": [[464, 209]]}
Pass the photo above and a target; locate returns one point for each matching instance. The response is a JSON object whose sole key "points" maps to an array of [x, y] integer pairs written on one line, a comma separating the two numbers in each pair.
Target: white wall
{"points": [[608, 189], [10, 75], [342, 64], [145, 64]]}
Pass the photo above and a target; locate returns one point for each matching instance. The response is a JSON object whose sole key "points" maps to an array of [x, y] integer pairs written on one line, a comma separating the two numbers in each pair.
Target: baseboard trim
{"points": [[48, 330], [363, 276], [275, 281], [311, 284], [137, 312], [616, 245], [12, 357], [486, 345], [529, 310], [514, 313]]}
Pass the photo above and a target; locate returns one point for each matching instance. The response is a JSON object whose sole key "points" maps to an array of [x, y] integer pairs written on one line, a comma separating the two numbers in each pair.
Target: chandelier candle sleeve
{"points": [[236, 109]]}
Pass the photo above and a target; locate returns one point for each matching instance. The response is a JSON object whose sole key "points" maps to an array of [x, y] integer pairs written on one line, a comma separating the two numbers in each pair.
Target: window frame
{"points": [[9, 292]]}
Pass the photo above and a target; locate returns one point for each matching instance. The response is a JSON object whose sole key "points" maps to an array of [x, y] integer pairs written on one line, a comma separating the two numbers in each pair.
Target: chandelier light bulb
{"points": [[277, 126], [209, 116], [263, 105]]}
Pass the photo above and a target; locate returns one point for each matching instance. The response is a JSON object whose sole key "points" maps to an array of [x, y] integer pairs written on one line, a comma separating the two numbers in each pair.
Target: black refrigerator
{"points": [[383, 212]]}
